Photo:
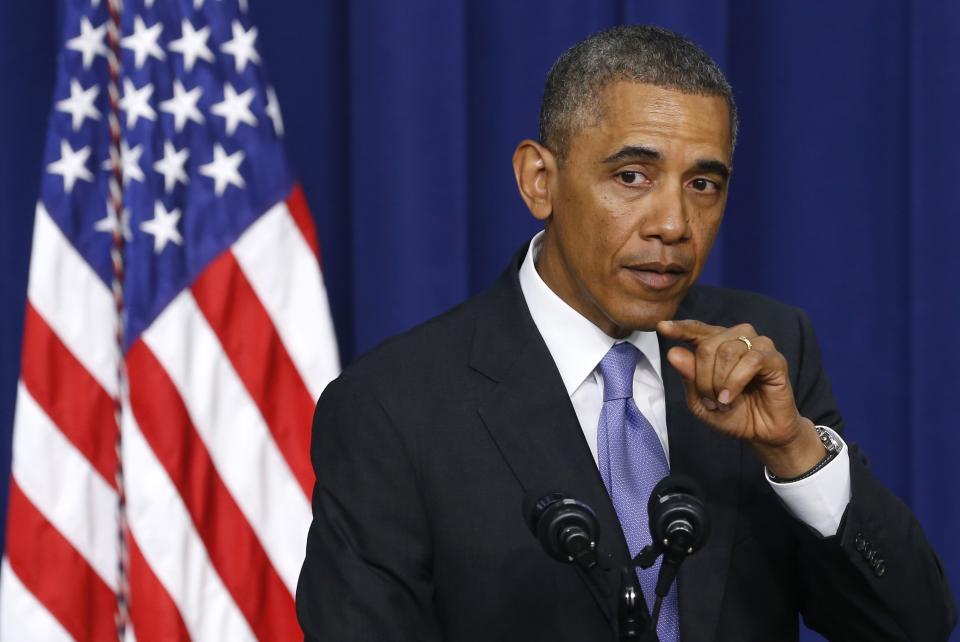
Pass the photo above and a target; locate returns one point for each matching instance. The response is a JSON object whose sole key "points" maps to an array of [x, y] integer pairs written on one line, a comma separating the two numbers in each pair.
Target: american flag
{"points": [[164, 494]]}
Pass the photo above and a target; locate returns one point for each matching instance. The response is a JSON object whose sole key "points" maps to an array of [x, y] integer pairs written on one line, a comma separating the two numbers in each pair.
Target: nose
{"points": [[667, 219]]}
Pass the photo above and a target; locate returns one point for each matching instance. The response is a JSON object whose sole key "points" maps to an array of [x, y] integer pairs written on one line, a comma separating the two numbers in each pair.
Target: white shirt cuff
{"points": [[819, 500]]}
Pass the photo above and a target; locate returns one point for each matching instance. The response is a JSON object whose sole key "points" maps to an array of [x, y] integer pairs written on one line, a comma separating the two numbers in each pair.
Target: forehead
{"points": [[671, 121]]}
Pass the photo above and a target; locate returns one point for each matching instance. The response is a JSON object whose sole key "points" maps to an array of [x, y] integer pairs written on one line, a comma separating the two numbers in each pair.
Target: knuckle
{"points": [[704, 352], [728, 350]]}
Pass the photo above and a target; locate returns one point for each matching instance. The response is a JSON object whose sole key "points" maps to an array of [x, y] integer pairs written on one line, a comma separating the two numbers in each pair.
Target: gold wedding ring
{"points": [[746, 342]]}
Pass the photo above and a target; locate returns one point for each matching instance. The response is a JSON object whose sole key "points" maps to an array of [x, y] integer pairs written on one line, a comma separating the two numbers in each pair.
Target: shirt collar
{"points": [[575, 343]]}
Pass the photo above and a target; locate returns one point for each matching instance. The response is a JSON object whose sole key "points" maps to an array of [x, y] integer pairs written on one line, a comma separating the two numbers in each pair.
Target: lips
{"points": [[657, 276]]}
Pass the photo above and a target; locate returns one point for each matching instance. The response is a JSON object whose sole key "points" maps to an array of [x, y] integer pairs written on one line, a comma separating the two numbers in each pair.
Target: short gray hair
{"points": [[638, 53]]}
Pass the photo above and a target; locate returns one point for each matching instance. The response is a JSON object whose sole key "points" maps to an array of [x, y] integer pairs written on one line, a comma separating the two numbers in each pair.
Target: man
{"points": [[596, 366]]}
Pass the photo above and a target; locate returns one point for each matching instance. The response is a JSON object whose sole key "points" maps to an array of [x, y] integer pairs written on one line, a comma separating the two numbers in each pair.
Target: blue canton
{"points": [[201, 135]]}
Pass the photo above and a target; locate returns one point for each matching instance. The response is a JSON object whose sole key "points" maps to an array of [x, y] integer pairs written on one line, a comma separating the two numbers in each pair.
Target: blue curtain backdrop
{"points": [[401, 118]]}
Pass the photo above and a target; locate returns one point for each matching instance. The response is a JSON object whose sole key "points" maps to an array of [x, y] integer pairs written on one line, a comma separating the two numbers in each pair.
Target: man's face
{"points": [[636, 205]]}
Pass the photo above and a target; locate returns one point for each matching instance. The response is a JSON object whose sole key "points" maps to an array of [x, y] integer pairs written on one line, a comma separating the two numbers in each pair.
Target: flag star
{"points": [[109, 224], [171, 166], [198, 4], [273, 111], [183, 105], [129, 161], [163, 227], [90, 42], [235, 108], [241, 46], [72, 165], [143, 42], [243, 5], [192, 44], [224, 169], [80, 103], [136, 102]]}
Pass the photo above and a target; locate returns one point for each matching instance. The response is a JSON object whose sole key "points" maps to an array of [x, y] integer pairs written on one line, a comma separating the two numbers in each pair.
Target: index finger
{"points": [[689, 330]]}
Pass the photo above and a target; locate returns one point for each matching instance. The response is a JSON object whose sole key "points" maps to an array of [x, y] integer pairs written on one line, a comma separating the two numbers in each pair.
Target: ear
{"points": [[535, 167]]}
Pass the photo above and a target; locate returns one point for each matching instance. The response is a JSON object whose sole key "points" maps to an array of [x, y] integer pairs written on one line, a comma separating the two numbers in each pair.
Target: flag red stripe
{"points": [[260, 359], [154, 615], [300, 211], [69, 395], [56, 574], [233, 547]]}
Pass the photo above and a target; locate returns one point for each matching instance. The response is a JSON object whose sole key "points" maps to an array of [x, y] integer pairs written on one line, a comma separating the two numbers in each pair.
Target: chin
{"points": [[646, 315]]}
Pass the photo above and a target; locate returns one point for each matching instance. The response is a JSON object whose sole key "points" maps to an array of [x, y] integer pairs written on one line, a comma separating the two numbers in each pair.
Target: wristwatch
{"points": [[833, 446]]}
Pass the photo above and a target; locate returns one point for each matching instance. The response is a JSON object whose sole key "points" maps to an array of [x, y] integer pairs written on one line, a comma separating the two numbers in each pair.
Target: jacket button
{"points": [[879, 568], [859, 543]]}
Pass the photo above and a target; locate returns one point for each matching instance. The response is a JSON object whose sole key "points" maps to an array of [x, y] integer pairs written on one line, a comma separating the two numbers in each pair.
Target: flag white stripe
{"points": [[283, 271], [164, 532], [71, 495], [74, 302], [25, 619], [236, 436]]}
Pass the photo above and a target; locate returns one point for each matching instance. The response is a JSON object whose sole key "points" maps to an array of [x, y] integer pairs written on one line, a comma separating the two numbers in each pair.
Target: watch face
{"points": [[826, 437]]}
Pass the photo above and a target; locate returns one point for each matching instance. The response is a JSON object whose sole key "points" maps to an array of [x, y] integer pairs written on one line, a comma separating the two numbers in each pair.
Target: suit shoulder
{"points": [[430, 347], [728, 306]]}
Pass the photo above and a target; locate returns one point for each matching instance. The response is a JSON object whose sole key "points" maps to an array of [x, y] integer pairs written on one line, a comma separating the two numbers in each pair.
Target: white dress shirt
{"points": [[577, 346]]}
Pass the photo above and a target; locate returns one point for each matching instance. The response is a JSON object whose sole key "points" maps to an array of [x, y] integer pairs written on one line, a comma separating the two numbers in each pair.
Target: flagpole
{"points": [[115, 209]]}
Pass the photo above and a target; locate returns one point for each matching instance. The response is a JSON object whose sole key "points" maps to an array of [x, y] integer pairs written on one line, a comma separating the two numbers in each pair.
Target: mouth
{"points": [[657, 276]]}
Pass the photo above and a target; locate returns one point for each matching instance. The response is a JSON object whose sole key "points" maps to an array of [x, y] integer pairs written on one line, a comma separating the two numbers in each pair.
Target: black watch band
{"points": [[833, 448]]}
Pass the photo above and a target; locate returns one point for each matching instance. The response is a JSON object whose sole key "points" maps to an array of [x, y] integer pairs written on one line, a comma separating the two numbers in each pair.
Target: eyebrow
{"points": [[714, 167], [633, 152], [642, 152]]}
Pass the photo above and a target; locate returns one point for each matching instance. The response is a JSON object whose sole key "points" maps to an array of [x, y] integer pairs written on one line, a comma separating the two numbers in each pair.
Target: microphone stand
{"points": [[633, 626]]}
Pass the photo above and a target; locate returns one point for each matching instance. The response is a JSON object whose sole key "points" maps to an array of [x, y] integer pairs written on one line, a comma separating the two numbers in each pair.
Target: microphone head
{"points": [[552, 516], [535, 502], [678, 517]]}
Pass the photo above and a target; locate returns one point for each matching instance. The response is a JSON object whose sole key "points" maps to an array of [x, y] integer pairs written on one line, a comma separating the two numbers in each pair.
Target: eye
{"points": [[632, 177], [705, 185]]}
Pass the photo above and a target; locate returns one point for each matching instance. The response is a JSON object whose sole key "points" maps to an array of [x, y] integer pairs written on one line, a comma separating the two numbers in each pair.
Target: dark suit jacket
{"points": [[424, 448]]}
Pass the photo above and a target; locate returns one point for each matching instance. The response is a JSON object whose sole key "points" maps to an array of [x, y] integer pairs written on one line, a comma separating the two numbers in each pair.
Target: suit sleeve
{"points": [[367, 571], [878, 578]]}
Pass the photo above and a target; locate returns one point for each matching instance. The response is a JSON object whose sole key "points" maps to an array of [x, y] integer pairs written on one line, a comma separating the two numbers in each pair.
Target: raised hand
{"points": [[737, 382]]}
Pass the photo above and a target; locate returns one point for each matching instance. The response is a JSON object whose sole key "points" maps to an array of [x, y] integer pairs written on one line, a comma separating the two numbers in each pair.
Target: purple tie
{"points": [[632, 461]]}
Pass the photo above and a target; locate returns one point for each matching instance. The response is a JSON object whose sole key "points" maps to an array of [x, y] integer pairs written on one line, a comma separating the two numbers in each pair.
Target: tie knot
{"points": [[617, 368]]}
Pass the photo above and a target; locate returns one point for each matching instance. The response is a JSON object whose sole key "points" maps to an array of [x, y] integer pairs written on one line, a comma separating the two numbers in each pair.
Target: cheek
{"points": [[705, 224], [596, 225], [617, 230]]}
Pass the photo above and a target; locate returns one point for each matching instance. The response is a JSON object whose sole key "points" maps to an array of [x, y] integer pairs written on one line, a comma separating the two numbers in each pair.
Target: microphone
{"points": [[566, 528], [679, 527], [568, 531]]}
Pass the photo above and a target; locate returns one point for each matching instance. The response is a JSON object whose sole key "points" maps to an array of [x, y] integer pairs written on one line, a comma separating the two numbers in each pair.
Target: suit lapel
{"points": [[713, 460], [531, 419]]}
